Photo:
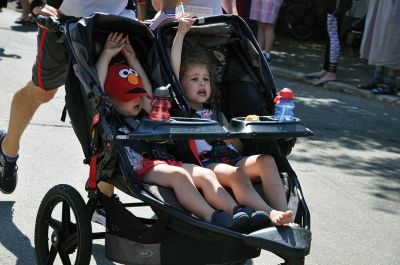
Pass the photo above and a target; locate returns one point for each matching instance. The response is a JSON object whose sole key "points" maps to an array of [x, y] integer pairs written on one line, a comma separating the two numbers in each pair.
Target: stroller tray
{"points": [[268, 127], [177, 128], [180, 128]]}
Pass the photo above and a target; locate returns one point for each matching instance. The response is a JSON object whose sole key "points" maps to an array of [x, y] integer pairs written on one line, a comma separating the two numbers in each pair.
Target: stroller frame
{"points": [[179, 237]]}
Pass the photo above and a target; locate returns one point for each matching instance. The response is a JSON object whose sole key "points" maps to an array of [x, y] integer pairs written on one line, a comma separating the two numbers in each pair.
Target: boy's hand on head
{"points": [[128, 50], [114, 44]]}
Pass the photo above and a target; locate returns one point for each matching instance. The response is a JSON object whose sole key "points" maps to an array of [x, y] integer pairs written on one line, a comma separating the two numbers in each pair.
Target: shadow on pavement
{"points": [[307, 56], [3, 54], [358, 137], [12, 238], [25, 28]]}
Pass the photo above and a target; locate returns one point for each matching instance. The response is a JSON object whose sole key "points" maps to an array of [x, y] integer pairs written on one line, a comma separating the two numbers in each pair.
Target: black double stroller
{"points": [[63, 228]]}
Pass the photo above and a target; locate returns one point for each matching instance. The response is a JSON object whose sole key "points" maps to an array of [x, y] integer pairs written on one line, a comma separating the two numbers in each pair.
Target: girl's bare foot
{"points": [[279, 218], [318, 74]]}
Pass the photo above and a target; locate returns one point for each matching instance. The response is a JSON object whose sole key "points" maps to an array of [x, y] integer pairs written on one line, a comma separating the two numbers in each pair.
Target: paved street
{"points": [[349, 170]]}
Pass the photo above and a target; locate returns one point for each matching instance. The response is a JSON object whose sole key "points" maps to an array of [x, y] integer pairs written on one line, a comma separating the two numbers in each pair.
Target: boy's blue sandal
{"points": [[385, 89], [8, 170], [258, 219], [236, 222]]}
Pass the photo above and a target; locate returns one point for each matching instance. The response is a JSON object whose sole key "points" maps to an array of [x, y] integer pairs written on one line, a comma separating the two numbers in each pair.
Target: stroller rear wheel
{"points": [[63, 228]]}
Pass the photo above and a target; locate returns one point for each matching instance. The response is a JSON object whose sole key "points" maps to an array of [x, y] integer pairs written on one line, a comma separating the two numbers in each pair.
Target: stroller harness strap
{"points": [[92, 172], [193, 148], [92, 185]]}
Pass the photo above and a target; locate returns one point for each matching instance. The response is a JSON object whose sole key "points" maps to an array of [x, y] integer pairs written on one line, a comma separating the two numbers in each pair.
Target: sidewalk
{"points": [[293, 58]]}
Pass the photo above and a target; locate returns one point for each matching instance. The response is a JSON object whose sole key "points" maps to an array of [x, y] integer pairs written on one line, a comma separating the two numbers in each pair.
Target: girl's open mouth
{"points": [[202, 93]]}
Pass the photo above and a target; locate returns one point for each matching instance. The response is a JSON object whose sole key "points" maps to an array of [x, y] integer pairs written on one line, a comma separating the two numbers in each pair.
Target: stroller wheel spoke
{"points": [[52, 255], [64, 258], [70, 243], [53, 223], [66, 220]]}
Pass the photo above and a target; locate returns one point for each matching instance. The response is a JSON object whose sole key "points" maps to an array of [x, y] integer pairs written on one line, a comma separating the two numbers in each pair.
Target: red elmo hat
{"points": [[124, 83]]}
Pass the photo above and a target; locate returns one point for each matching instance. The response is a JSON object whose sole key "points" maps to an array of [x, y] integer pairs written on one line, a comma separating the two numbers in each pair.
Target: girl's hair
{"points": [[199, 57]]}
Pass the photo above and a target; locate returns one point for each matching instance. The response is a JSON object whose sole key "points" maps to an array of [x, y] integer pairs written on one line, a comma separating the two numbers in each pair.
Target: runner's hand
{"points": [[45, 10]]}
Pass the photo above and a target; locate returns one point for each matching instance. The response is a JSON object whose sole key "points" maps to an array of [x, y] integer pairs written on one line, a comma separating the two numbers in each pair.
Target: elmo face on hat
{"points": [[124, 83]]}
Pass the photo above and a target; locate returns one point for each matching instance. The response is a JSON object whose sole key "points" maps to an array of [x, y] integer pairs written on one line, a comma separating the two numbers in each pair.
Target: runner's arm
{"points": [[40, 7]]}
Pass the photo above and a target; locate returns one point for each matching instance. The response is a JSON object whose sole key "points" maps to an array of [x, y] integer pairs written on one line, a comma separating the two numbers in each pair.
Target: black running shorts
{"points": [[50, 69]]}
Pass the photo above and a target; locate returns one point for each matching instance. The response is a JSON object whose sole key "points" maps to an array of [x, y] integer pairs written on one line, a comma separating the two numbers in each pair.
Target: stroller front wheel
{"points": [[63, 228]]}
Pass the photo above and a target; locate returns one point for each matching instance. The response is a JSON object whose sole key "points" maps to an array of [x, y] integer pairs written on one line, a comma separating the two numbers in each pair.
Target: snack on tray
{"points": [[252, 118]]}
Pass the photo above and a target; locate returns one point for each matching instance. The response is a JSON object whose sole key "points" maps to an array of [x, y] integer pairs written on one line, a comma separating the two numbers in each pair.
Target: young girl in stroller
{"points": [[232, 169], [128, 89]]}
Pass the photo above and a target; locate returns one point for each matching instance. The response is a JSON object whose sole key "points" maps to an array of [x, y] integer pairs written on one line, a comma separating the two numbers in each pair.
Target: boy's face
{"points": [[127, 108], [196, 85]]}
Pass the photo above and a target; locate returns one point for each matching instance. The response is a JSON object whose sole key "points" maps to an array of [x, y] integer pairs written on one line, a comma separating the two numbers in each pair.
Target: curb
{"points": [[335, 86]]}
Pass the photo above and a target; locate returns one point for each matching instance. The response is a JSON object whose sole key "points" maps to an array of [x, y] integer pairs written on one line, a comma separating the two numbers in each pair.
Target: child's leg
{"points": [[214, 193], [264, 166], [106, 188], [181, 182], [239, 182]]}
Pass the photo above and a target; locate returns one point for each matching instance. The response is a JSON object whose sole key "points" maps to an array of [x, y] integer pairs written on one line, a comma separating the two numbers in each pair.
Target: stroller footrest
{"points": [[282, 241]]}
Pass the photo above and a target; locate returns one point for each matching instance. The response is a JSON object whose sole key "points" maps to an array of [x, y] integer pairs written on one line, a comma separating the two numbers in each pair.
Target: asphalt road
{"points": [[349, 170]]}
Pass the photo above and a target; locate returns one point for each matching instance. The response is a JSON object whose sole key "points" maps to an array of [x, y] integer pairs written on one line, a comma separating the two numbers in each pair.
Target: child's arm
{"points": [[236, 142], [133, 62], [112, 47], [176, 50]]}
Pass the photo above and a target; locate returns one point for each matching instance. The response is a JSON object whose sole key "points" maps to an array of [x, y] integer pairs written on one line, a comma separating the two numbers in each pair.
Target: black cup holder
{"points": [[267, 127], [178, 128]]}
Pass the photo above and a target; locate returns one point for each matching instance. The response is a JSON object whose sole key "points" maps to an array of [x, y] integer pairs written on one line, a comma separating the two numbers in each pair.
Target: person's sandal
{"points": [[370, 85], [385, 89], [314, 75]]}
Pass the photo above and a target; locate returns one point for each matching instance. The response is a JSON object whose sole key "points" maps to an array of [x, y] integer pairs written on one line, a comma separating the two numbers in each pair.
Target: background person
{"points": [[48, 73], [171, 10], [265, 12], [335, 11], [380, 45]]}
